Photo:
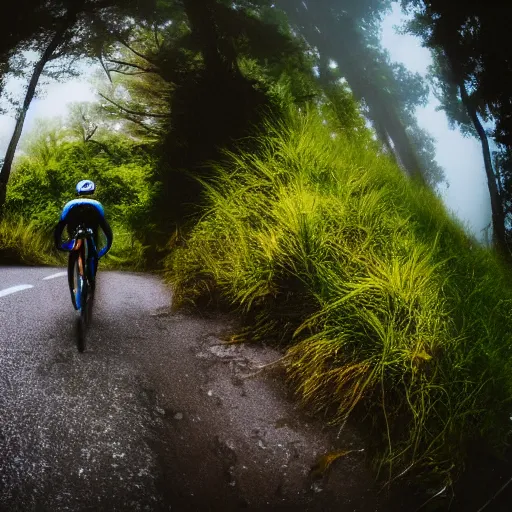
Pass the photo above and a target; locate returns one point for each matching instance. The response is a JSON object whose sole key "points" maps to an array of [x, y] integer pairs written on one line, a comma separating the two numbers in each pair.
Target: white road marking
{"points": [[15, 289], [53, 276]]}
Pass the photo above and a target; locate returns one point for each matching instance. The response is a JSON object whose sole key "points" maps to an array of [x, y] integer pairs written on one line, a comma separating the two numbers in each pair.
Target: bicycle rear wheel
{"points": [[80, 297]]}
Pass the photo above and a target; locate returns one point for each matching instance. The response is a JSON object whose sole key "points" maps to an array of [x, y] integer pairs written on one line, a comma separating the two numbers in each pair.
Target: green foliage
{"points": [[44, 142], [342, 114], [199, 84], [127, 253], [40, 187], [386, 307]]}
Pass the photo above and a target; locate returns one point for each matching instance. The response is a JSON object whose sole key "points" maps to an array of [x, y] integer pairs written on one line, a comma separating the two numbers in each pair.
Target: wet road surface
{"points": [[157, 414]]}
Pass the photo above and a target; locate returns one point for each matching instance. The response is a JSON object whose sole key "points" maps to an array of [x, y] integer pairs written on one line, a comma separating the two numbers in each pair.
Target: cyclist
{"points": [[87, 212]]}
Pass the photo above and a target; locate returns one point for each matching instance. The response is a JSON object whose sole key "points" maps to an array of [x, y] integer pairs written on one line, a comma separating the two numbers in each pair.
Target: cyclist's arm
{"points": [[57, 236], [104, 225], [68, 245]]}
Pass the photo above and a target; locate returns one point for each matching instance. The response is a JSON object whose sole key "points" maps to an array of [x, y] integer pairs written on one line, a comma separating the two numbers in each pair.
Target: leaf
{"points": [[324, 462], [423, 355]]}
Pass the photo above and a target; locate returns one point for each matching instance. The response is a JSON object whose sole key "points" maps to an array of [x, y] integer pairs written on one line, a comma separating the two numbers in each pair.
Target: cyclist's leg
{"points": [[93, 262]]}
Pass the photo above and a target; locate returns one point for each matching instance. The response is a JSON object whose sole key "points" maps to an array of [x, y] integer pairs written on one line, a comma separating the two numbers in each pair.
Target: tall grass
{"points": [[387, 309], [127, 253], [22, 243]]}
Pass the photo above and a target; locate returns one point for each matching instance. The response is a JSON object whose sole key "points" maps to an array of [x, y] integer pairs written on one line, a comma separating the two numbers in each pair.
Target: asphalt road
{"points": [[157, 414]]}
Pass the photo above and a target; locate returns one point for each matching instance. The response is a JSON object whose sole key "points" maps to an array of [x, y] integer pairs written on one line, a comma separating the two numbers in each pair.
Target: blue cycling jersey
{"points": [[76, 202], [88, 212]]}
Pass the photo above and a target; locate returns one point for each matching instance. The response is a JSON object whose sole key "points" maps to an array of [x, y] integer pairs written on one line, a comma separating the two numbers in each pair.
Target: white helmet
{"points": [[85, 187]]}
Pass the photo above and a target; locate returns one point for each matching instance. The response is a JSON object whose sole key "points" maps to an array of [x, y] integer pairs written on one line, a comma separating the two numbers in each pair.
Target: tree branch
{"points": [[57, 55], [134, 73], [155, 32], [132, 65], [126, 45], [134, 112], [147, 128], [89, 137], [107, 71], [101, 145]]}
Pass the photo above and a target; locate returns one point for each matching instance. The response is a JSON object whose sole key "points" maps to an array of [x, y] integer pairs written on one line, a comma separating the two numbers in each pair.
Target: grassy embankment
{"points": [[22, 243], [385, 307]]}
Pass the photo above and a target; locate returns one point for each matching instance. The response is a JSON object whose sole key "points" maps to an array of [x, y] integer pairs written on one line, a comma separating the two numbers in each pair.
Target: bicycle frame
{"points": [[84, 250]]}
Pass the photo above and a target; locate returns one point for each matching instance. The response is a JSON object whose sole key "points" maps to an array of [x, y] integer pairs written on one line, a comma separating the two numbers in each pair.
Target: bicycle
{"points": [[82, 265]]}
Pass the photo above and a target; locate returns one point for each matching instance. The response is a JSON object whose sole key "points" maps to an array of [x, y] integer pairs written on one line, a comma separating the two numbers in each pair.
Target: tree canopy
{"points": [[471, 72], [194, 77]]}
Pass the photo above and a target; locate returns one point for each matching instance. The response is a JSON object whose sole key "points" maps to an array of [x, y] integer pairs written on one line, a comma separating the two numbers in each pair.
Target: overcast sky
{"points": [[460, 157], [52, 101]]}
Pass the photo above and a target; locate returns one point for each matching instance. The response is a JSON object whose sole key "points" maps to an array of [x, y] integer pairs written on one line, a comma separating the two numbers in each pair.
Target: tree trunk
{"points": [[338, 40], [498, 216], [219, 54], [58, 38], [327, 81], [202, 22]]}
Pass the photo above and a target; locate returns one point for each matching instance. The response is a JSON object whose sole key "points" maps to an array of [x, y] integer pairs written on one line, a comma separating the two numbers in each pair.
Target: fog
{"points": [[467, 194]]}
